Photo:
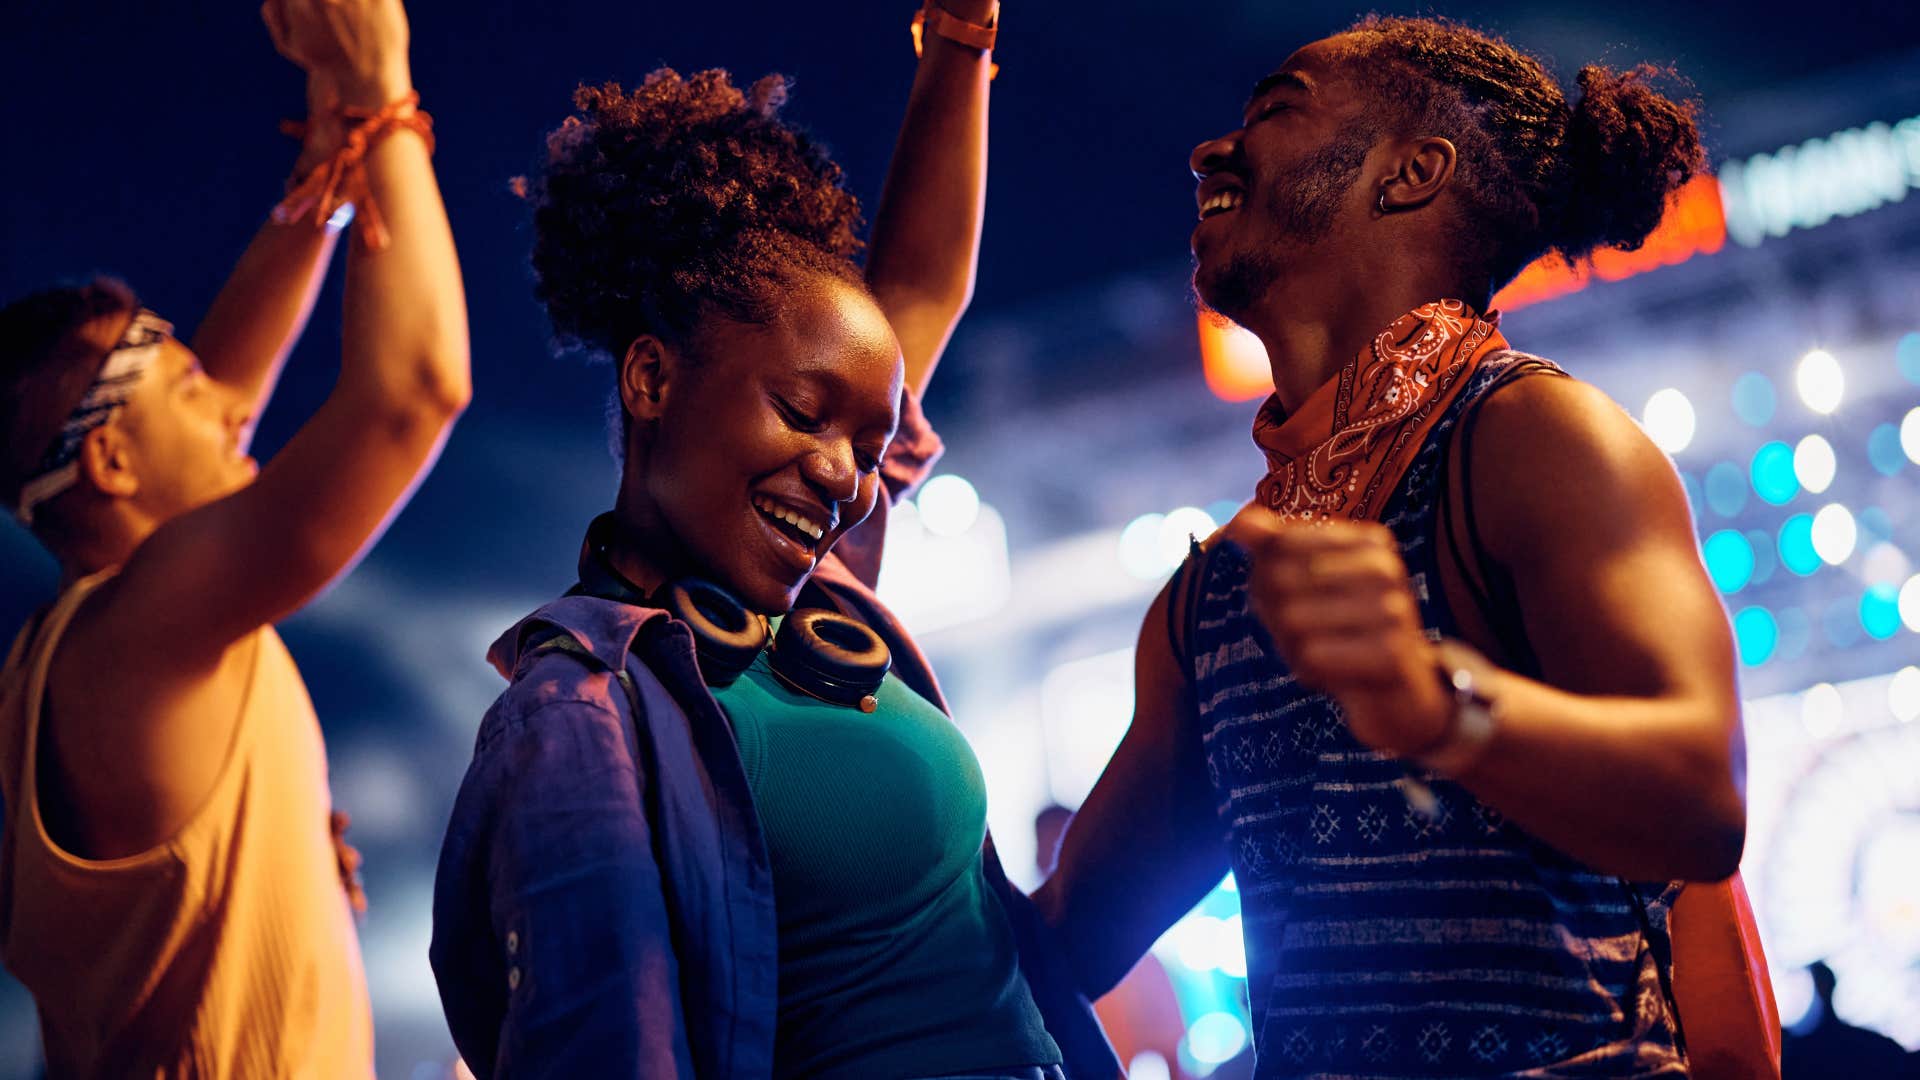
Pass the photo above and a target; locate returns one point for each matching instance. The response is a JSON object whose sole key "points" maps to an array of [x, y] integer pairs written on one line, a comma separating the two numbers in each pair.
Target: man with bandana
{"points": [[1452, 697], [172, 888]]}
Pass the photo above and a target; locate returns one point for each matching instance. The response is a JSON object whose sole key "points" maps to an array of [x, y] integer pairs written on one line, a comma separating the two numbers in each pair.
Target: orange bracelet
{"points": [[956, 29], [342, 178]]}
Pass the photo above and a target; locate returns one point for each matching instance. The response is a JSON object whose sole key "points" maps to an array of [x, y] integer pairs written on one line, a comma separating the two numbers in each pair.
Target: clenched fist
{"points": [[1336, 601]]}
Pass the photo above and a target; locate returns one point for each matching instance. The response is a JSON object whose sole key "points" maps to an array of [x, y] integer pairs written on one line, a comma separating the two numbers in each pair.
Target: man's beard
{"points": [[1303, 203]]}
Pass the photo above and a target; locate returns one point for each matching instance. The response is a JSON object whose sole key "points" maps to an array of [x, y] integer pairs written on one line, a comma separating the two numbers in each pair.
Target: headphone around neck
{"points": [[820, 653]]}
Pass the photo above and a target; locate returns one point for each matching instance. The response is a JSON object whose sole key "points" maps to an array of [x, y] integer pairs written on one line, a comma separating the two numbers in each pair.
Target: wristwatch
{"points": [[1476, 716]]}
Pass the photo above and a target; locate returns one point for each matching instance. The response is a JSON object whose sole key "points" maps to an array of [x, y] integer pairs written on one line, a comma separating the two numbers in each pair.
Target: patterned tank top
{"points": [[1382, 942]]}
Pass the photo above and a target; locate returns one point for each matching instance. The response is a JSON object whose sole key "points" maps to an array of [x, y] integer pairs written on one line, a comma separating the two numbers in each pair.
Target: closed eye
{"points": [[796, 418]]}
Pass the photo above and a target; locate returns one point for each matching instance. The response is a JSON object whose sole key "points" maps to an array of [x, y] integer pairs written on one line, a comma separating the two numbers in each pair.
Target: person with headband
{"points": [[1453, 696], [174, 891], [718, 824]]}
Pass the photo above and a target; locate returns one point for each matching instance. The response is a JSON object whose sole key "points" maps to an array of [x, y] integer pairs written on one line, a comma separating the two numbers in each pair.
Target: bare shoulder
{"points": [[1553, 457]]}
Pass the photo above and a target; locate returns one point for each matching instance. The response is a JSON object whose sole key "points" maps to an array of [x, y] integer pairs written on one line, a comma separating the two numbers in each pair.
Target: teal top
{"points": [[895, 959]]}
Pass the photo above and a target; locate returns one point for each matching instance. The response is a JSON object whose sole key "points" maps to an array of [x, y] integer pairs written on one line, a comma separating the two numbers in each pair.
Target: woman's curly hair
{"points": [[1539, 173], [681, 199]]}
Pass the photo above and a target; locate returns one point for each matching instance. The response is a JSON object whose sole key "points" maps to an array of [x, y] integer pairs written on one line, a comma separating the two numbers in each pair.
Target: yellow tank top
{"points": [[229, 950]]}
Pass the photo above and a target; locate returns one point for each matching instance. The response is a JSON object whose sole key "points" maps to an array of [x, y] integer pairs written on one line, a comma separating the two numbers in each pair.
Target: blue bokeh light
{"points": [[1727, 486], [1729, 559], [1876, 527], [1880, 611], [1696, 493], [1757, 635], [1907, 355], [1884, 452], [1764, 560], [1773, 477], [1796, 545], [1753, 399]]}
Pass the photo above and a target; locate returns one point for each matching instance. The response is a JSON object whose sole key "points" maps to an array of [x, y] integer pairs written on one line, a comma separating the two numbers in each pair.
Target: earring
{"points": [[1382, 203]]}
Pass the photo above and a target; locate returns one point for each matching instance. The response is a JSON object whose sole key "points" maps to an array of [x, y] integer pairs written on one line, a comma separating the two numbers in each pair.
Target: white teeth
{"points": [[1221, 201], [772, 509]]}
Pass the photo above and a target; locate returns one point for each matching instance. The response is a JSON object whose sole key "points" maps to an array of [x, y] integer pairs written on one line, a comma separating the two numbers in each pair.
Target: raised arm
{"points": [[213, 575], [1147, 845], [246, 336], [926, 233], [1627, 753]]}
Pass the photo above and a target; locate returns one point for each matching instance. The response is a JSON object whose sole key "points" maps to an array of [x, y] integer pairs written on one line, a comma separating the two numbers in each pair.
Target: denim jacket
{"points": [[604, 901]]}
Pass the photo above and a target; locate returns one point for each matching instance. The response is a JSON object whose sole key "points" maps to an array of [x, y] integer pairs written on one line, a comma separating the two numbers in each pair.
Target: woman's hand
{"points": [[1336, 600], [352, 50]]}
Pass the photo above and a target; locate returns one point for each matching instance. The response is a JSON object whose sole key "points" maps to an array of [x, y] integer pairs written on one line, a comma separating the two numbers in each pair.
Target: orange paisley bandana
{"points": [[1346, 448]]}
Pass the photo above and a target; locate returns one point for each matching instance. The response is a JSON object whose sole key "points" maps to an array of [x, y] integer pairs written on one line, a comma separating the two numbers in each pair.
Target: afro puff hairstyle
{"points": [[679, 200]]}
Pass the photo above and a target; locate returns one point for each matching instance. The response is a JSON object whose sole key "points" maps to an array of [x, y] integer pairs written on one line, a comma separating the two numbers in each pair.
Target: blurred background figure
{"points": [[1823, 1045]]}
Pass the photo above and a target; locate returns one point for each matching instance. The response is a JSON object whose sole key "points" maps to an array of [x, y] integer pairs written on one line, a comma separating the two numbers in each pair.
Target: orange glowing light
{"points": [[1234, 360], [1695, 224]]}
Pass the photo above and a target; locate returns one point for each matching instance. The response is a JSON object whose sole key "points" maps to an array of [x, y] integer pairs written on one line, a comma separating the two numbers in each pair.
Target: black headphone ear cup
{"points": [[831, 656], [726, 636]]}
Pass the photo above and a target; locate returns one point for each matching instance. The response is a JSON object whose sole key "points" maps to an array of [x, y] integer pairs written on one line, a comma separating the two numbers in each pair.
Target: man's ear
{"points": [[645, 372], [1423, 169], [106, 461]]}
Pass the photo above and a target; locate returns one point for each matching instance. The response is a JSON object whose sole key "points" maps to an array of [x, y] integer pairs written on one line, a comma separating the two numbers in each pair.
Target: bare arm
{"points": [[1147, 845], [216, 574], [926, 233], [1627, 756]]}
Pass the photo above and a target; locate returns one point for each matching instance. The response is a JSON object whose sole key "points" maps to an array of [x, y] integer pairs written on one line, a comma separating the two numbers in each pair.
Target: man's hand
{"points": [[355, 48], [1336, 601]]}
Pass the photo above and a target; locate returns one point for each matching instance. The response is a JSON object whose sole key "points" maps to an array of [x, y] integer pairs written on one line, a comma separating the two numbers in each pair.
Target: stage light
{"points": [[1882, 561], [1726, 489], [1903, 694], [1729, 559], [1668, 420], [1772, 473], [1233, 947], [1906, 355], [1820, 381], [1757, 634], [1880, 611], [1148, 1065], [1834, 533], [1753, 399], [1821, 711], [948, 505], [1884, 452], [1179, 529], [1796, 545], [1814, 464], [1909, 603], [1910, 435], [1216, 1037], [1140, 547], [1196, 942]]}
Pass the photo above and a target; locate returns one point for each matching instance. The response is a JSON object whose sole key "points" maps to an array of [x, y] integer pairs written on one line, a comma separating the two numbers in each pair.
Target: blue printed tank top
{"points": [[1384, 943]]}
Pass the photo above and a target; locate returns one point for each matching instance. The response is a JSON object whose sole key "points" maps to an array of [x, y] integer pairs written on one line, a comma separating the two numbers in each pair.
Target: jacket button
{"points": [[513, 942], [513, 978]]}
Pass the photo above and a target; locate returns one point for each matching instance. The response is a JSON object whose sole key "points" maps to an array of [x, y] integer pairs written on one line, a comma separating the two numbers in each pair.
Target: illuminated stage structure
{"points": [[1768, 338]]}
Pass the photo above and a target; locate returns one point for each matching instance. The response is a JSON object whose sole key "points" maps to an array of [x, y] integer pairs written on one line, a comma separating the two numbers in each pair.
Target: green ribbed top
{"points": [[895, 958]]}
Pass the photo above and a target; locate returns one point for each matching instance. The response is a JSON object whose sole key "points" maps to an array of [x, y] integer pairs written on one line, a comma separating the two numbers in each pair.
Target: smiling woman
{"points": [[766, 405]]}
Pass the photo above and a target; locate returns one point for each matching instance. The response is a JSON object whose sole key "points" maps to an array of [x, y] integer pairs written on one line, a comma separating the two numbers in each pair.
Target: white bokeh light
{"points": [[1820, 381], [1834, 534], [1179, 529], [948, 505], [1140, 551], [1822, 711], [1668, 420], [1910, 603], [1814, 463], [1910, 435], [1903, 694], [1216, 1037]]}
